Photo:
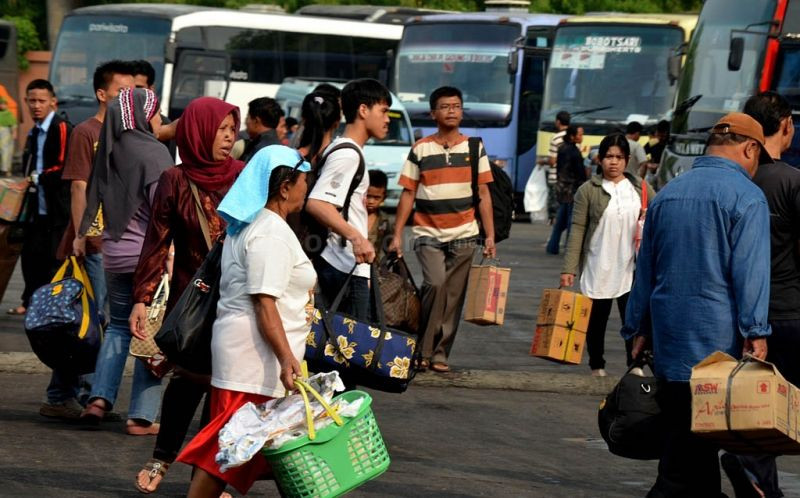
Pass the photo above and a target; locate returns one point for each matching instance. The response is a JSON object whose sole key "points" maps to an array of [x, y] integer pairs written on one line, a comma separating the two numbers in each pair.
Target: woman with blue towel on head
{"points": [[264, 312]]}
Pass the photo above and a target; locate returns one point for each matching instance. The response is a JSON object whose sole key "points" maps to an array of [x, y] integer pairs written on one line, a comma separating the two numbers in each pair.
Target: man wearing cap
{"points": [[702, 285]]}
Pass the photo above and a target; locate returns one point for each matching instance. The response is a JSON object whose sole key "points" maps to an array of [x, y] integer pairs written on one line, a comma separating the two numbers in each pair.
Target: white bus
{"points": [[196, 51]]}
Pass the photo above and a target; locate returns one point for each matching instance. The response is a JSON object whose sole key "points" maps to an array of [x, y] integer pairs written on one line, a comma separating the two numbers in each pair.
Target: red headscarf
{"points": [[195, 136]]}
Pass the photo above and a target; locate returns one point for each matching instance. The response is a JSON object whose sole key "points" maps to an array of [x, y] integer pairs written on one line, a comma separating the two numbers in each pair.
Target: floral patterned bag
{"points": [[371, 354]]}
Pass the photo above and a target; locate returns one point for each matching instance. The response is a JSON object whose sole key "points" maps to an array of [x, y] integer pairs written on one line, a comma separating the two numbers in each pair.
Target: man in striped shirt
{"points": [[438, 176], [562, 122]]}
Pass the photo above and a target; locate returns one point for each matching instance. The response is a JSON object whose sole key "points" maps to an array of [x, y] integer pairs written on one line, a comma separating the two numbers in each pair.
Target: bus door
{"points": [[198, 73]]}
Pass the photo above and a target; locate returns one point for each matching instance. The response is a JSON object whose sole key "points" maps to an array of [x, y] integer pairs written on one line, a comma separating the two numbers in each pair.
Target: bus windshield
{"points": [[611, 73], [86, 41], [449, 54], [706, 70]]}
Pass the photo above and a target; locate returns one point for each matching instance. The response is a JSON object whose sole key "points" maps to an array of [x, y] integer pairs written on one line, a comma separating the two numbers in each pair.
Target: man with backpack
{"points": [[438, 176], [337, 198]]}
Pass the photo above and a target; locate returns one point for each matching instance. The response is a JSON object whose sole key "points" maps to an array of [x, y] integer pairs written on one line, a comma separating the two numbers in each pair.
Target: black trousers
{"points": [[39, 247], [783, 348], [689, 467], [596, 333], [181, 398]]}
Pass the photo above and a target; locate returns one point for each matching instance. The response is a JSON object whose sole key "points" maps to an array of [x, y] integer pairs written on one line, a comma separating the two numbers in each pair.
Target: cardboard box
{"points": [[561, 326], [12, 193], [487, 293], [745, 407]]}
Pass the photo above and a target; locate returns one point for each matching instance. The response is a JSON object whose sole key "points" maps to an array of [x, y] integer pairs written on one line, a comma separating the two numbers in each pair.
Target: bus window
{"points": [[534, 69], [787, 75], [199, 73]]}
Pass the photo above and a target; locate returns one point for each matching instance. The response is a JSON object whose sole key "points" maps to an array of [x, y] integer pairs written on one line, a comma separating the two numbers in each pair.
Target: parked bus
{"points": [[369, 13], [234, 55], [609, 70], [740, 47], [499, 61]]}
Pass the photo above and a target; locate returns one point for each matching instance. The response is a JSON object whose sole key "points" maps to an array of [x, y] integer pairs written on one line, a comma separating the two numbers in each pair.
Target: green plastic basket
{"points": [[338, 460]]}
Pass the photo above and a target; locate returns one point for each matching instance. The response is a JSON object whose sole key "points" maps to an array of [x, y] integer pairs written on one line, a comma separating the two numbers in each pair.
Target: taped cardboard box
{"points": [[744, 406], [561, 326], [12, 193], [487, 293]]}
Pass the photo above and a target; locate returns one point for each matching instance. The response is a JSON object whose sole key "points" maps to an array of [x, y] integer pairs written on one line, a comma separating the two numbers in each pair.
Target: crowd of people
{"points": [[109, 192]]}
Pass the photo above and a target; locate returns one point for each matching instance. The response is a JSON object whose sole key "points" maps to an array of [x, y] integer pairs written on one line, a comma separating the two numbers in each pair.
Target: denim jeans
{"points": [[356, 301], [562, 222], [94, 268], [146, 391]]}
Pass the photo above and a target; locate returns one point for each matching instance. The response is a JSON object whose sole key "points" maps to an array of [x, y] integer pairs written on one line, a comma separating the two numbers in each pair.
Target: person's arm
{"points": [[637, 313], [167, 131], [155, 253], [271, 329], [328, 215], [404, 206], [750, 274], [487, 220], [77, 201], [580, 220]]}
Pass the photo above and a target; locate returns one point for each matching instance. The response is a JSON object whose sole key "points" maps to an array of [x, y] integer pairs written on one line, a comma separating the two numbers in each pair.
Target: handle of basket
{"points": [[312, 433], [304, 386]]}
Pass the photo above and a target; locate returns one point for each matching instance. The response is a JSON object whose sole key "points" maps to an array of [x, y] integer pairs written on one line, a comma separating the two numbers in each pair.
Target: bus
{"points": [[739, 48], [609, 70], [499, 61], [196, 51], [368, 13]]}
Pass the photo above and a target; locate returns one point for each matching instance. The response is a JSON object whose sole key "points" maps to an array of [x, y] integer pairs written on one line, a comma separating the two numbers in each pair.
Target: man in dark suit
{"points": [[47, 211]]}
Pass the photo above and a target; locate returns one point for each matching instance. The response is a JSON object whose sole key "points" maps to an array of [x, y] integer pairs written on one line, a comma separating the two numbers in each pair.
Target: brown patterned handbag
{"points": [[145, 349], [400, 296]]}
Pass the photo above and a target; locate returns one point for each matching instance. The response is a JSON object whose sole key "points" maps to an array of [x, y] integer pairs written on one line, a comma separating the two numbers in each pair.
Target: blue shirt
{"points": [[44, 126], [703, 268]]}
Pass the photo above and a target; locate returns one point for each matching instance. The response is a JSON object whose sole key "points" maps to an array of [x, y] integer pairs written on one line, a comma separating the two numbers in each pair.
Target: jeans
{"points": [[63, 386], [94, 268], [146, 391], [355, 302], [563, 222]]}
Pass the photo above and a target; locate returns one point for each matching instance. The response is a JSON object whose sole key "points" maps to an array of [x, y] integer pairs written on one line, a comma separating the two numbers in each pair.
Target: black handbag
{"points": [[630, 417], [368, 354], [185, 334]]}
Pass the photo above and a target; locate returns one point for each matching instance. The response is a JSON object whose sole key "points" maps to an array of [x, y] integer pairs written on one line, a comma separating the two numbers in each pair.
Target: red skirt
{"points": [[201, 450]]}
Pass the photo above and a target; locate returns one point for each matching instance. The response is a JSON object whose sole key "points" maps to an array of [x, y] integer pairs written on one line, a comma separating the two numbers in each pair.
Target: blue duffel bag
{"points": [[62, 322]]}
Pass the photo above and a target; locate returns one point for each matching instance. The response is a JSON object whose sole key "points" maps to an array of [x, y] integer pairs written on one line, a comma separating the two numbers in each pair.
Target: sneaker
{"points": [[599, 372], [68, 410]]}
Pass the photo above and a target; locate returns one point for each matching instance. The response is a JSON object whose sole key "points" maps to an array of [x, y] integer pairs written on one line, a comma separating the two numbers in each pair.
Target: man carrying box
{"points": [[702, 276]]}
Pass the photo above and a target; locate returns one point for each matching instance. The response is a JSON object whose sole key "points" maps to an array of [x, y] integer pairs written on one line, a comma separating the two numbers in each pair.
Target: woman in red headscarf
{"points": [[205, 136]]}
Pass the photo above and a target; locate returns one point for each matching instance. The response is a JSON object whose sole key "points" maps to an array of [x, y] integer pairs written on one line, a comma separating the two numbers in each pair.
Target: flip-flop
{"points": [[134, 429], [154, 468], [440, 367], [19, 310], [93, 414]]}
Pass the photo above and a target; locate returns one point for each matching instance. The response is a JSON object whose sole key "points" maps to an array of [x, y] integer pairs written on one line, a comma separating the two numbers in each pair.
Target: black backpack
{"points": [[501, 190], [313, 236]]}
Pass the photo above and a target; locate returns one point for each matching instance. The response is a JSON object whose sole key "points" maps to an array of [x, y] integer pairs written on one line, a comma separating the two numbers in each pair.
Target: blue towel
{"points": [[248, 195]]}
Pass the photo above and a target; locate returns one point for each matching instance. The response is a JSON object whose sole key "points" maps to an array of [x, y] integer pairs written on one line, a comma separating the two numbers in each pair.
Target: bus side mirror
{"points": [[513, 62], [674, 67], [736, 54]]}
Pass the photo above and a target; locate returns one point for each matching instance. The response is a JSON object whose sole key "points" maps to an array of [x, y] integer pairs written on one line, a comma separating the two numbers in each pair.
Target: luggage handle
{"points": [[397, 264], [304, 389]]}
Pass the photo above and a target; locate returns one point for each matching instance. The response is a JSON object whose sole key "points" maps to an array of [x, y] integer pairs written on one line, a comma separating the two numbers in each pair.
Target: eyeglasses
{"points": [[449, 107]]}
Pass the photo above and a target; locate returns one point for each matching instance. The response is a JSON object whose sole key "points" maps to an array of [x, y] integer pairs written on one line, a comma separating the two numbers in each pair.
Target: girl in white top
{"points": [[264, 310], [605, 221]]}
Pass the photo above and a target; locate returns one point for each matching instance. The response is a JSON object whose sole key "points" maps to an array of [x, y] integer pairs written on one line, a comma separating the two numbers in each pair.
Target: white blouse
{"points": [[609, 264]]}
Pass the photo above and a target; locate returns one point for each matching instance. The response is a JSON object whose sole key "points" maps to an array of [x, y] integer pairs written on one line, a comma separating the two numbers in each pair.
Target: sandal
{"points": [[134, 428], [440, 367], [94, 412], [19, 310], [423, 365], [153, 468]]}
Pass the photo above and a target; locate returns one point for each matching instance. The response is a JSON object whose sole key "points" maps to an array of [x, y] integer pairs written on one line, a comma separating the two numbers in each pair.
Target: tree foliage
{"points": [[27, 38]]}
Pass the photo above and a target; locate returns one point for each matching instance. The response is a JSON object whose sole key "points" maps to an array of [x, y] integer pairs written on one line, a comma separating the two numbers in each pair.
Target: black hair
{"points": [[278, 176], [104, 73], [571, 133], [320, 113], [445, 91], [290, 121], [563, 117], [663, 126], [326, 89], [40, 84], [769, 109], [265, 109], [378, 179], [364, 91], [634, 127], [143, 67], [614, 140]]}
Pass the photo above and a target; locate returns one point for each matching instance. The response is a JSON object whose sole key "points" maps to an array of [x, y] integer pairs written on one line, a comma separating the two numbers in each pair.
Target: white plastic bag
{"points": [[535, 199]]}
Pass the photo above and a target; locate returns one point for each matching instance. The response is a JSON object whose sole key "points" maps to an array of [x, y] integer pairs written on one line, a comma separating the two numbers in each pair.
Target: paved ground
{"points": [[444, 440]]}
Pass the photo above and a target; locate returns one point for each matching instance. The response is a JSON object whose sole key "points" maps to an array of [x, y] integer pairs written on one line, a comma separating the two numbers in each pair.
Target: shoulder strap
{"points": [[474, 158], [644, 195], [356, 178], [201, 215]]}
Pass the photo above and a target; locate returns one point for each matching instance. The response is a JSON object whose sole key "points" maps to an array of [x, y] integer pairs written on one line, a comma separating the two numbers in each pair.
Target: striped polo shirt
{"points": [[442, 180]]}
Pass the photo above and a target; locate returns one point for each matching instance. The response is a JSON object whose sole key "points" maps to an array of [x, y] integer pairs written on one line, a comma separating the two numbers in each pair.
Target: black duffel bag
{"points": [[630, 417], [185, 334]]}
